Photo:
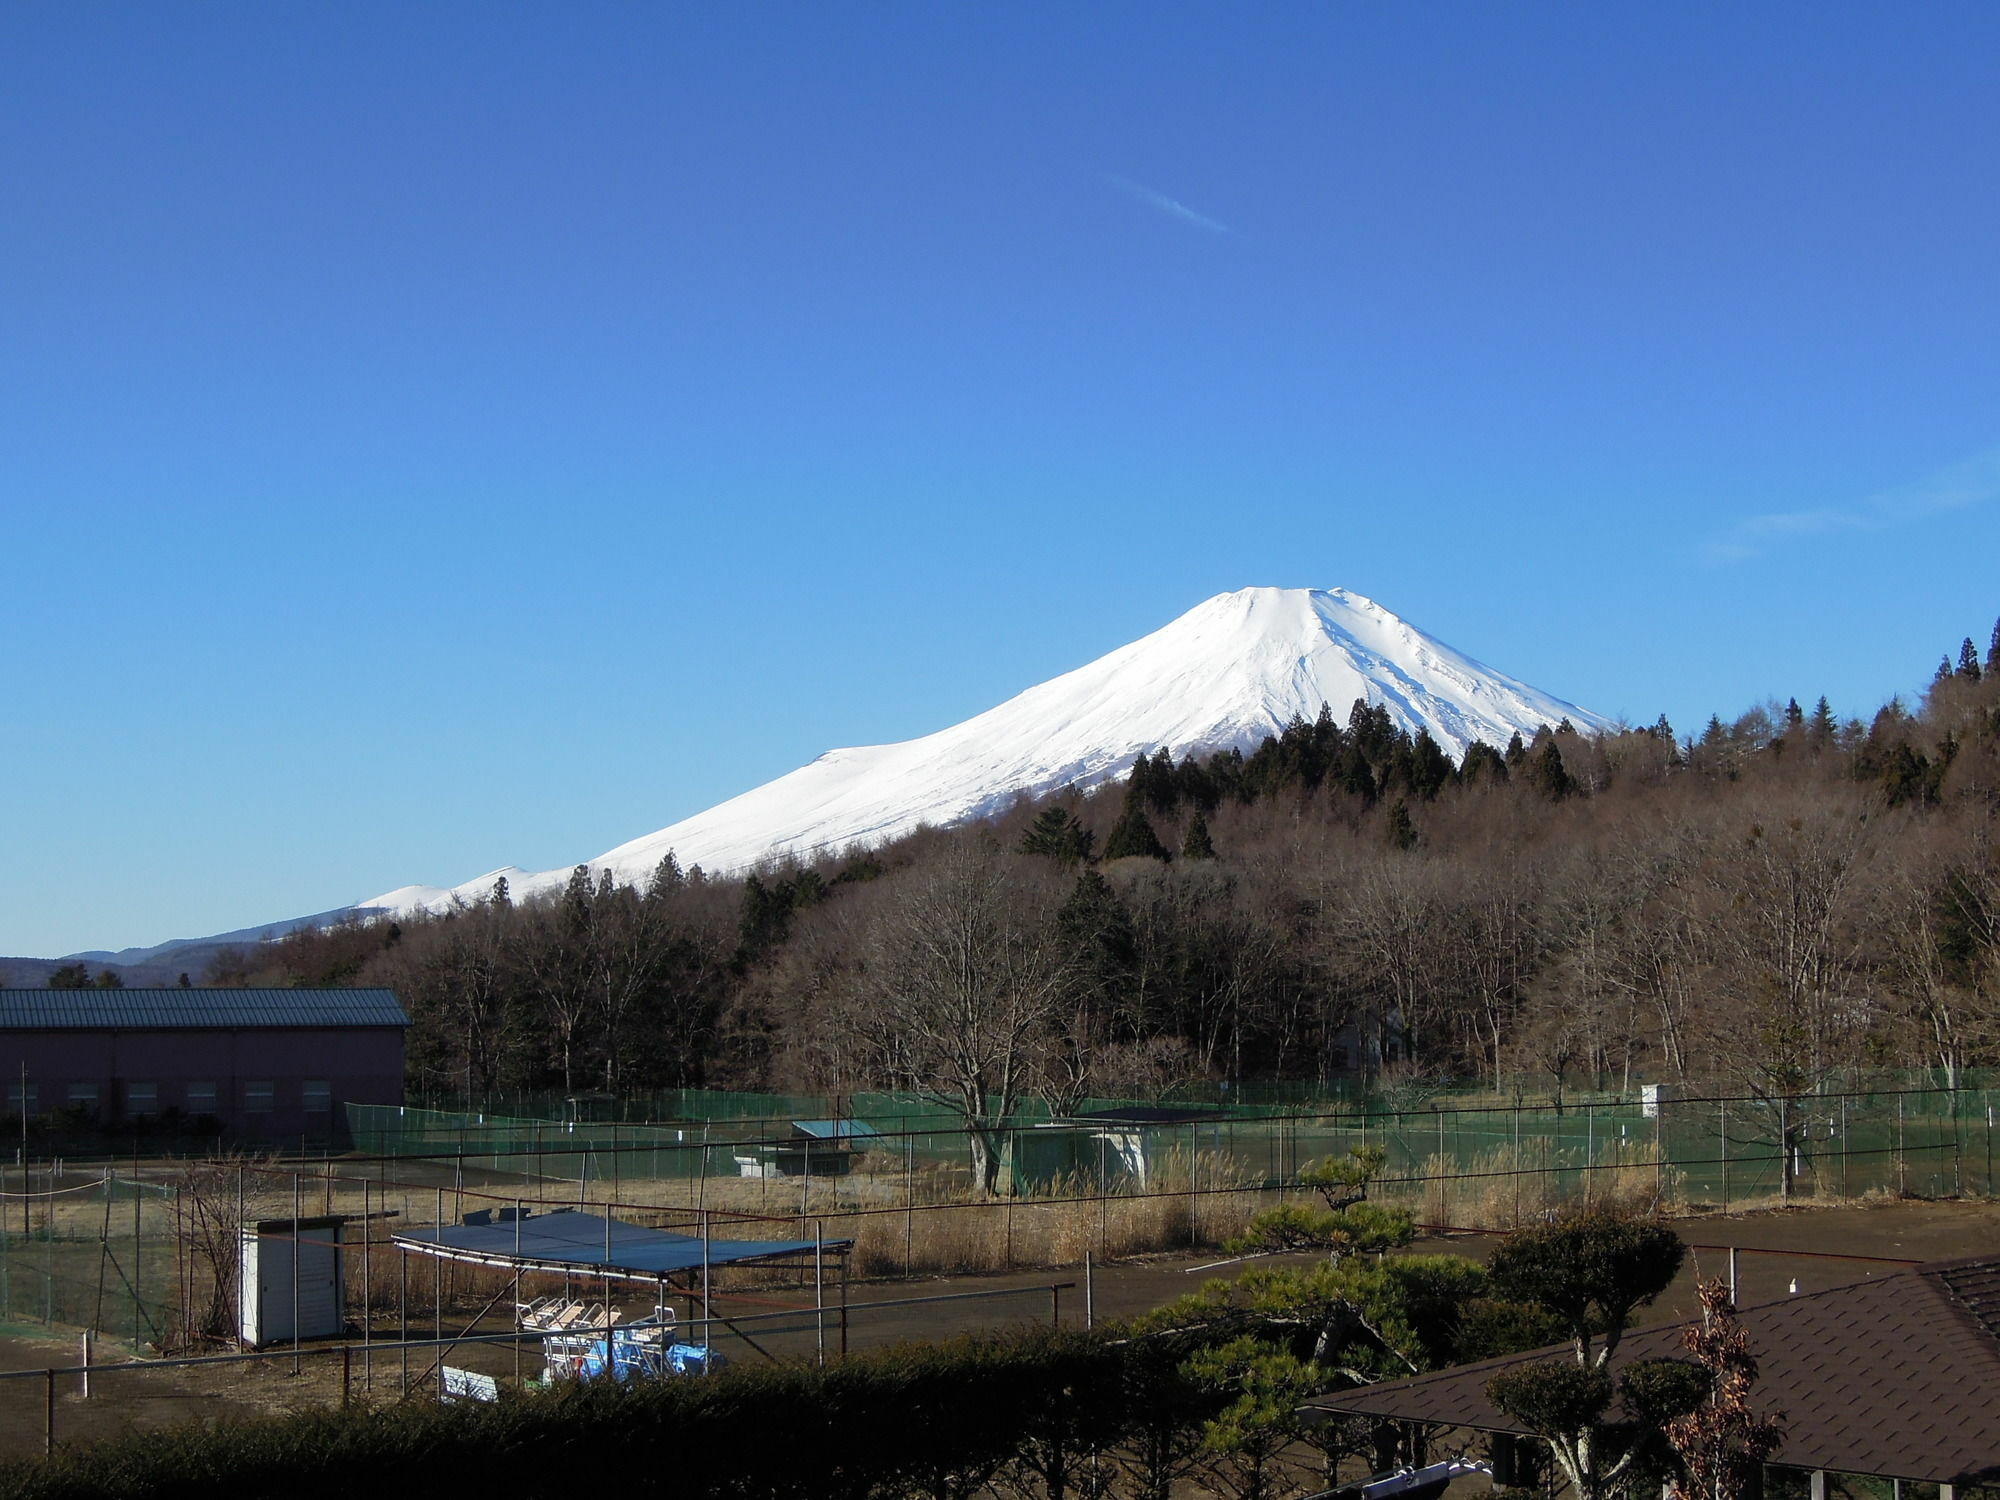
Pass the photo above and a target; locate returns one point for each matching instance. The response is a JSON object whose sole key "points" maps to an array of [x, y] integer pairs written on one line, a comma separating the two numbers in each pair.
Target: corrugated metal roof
{"points": [[145, 1010], [835, 1130]]}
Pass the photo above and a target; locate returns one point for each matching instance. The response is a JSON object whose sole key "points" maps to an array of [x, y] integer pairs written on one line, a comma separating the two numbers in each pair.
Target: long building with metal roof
{"points": [[264, 1065]]}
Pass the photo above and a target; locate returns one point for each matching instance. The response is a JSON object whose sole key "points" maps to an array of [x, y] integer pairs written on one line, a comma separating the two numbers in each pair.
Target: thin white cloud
{"points": [[1166, 205], [1974, 482]]}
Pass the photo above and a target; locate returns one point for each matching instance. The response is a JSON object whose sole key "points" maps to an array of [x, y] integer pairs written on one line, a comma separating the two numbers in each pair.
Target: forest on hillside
{"points": [[1752, 907]]}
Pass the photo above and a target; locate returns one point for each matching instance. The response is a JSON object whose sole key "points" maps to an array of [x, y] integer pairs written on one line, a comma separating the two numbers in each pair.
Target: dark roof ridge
{"points": [[1957, 1263], [1970, 1289]]}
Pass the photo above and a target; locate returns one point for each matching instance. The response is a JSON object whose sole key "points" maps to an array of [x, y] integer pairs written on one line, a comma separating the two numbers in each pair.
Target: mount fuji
{"points": [[1228, 672]]}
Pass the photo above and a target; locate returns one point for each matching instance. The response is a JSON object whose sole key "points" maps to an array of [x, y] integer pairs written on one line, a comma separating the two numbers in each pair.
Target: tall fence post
{"points": [[1444, 1179], [1722, 1139], [1846, 1147], [1660, 1155], [1902, 1152], [297, 1366], [1784, 1151], [1957, 1149]]}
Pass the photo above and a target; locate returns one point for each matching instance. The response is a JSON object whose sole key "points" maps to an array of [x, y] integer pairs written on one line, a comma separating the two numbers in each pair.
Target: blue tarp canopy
{"points": [[566, 1240]]}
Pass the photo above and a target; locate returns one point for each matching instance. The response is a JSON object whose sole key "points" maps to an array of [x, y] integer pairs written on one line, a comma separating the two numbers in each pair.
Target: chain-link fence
{"points": [[145, 1252]]}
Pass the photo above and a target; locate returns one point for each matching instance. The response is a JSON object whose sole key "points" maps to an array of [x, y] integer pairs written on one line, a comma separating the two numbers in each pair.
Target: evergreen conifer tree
{"points": [[1097, 933], [1481, 759], [1968, 661], [667, 877], [1794, 715], [1516, 751], [1663, 731], [1163, 791], [1133, 835], [1944, 670], [1057, 834], [1430, 767], [1402, 832], [1357, 778], [1993, 651], [1193, 784], [1820, 727], [1550, 777], [1197, 844]]}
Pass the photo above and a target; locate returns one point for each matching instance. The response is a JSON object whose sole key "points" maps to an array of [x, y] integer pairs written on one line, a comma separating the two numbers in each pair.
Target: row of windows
{"points": [[142, 1097]]}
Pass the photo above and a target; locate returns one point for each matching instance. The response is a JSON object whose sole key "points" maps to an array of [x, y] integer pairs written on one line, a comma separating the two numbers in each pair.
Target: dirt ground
{"points": [[1778, 1253]]}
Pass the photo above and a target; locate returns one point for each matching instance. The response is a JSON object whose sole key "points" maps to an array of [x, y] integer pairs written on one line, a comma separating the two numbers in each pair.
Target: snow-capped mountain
{"points": [[1228, 672]]}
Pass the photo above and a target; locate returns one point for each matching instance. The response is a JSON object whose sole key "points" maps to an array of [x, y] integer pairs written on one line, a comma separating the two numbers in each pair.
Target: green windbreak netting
{"points": [[1497, 1158]]}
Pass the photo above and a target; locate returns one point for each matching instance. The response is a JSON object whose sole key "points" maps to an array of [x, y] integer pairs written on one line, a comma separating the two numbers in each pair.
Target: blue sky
{"points": [[447, 436]]}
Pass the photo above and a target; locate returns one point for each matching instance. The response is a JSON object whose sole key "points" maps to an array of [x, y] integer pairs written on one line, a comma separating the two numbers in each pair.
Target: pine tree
{"points": [[1481, 759], [766, 916], [1968, 661], [1516, 751], [1163, 791], [1402, 832], [1549, 775], [667, 877], [1057, 834], [1193, 784], [1663, 731], [1357, 779], [1943, 672], [1133, 835], [1820, 728], [1197, 844], [1993, 651], [1430, 768], [1794, 715]]}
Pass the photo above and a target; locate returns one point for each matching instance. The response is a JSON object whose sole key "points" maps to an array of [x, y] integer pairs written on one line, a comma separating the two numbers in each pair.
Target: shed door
{"points": [[269, 1296]]}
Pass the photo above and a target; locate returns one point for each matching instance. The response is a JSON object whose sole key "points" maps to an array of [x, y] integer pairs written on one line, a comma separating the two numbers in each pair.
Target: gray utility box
{"points": [[291, 1281]]}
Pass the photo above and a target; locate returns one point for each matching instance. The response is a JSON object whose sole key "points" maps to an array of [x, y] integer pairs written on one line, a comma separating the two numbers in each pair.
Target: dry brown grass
{"points": [[1509, 1186]]}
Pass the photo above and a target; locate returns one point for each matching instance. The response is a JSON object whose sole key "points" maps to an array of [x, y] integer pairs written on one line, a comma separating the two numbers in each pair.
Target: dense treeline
{"points": [[1754, 905]]}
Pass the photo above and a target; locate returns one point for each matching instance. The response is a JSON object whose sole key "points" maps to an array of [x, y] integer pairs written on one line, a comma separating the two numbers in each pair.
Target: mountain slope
{"points": [[1228, 672]]}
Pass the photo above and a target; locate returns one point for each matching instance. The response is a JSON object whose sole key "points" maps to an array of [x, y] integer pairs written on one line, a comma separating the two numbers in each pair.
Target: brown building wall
{"points": [[360, 1065]]}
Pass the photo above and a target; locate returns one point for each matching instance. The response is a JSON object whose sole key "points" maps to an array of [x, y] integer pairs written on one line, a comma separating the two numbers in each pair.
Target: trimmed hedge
{"points": [[920, 1420]]}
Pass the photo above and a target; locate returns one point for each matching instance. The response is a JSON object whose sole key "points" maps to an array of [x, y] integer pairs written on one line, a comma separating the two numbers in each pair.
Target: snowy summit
{"points": [[1228, 672]]}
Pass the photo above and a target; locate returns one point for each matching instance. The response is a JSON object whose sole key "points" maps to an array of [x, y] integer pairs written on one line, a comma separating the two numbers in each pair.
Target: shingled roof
{"points": [[1897, 1377], [178, 1009]]}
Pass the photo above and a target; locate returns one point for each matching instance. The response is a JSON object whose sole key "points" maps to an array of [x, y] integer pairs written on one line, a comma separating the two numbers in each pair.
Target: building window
{"points": [[83, 1096], [318, 1096], [258, 1098], [14, 1099], [142, 1099], [201, 1098]]}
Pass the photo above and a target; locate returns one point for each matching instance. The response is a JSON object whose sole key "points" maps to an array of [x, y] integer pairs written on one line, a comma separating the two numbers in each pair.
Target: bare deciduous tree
{"points": [[962, 978]]}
